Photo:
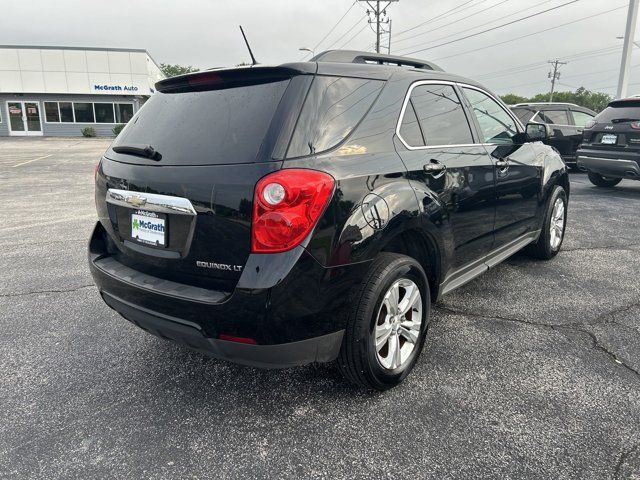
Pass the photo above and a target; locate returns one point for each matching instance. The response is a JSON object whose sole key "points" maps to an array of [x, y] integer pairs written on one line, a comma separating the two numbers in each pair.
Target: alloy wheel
{"points": [[398, 324], [557, 224]]}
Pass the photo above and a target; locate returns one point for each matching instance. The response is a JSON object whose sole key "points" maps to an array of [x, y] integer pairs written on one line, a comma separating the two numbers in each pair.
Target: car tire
{"points": [[553, 228], [600, 181], [384, 365]]}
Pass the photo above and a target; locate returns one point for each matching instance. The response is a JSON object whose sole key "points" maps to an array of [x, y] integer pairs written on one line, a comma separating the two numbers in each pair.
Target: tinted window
{"points": [[523, 114], [496, 125], [581, 118], [441, 115], [207, 127], [66, 112], [51, 111], [410, 129], [104, 112], [332, 109], [83, 112], [124, 112], [612, 113], [557, 117]]}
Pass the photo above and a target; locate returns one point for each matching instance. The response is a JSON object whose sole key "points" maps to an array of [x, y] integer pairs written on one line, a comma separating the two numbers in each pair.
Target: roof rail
{"points": [[528, 104], [355, 56]]}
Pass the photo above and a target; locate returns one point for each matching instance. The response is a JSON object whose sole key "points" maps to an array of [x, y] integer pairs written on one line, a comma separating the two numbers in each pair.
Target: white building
{"points": [[58, 91]]}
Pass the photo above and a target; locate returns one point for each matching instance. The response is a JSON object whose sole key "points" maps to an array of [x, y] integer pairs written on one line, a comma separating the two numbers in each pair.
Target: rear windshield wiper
{"points": [[625, 120], [146, 151]]}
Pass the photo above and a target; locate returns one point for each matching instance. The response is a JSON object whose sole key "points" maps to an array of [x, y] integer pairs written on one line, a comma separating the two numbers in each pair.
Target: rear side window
{"points": [[332, 109], [581, 118], [211, 127], [523, 114], [557, 117], [410, 129], [440, 115], [496, 125]]}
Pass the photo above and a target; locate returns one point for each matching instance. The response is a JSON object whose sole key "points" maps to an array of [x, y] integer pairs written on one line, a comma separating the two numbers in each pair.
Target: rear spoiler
{"points": [[625, 102], [232, 77]]}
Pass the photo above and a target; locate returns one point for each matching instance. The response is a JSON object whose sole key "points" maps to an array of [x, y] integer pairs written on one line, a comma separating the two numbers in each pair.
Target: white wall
{"points": [[100, 72]]}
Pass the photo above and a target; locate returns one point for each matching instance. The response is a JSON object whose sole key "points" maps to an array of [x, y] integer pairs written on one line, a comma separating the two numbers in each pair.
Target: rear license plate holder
{"points": [[149, 228]]}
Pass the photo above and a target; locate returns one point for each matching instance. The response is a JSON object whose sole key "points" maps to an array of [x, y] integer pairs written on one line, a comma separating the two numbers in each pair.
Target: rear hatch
{"points": [[615, 129], [175, 189]]}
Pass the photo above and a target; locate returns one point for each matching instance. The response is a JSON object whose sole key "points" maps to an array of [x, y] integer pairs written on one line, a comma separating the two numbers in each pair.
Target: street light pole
{"points": [[305, 49], [623, 79]]}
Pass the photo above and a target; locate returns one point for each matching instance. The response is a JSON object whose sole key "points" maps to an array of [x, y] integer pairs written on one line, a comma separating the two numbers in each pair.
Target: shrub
{"points": [[117, 129], [88, 132]]}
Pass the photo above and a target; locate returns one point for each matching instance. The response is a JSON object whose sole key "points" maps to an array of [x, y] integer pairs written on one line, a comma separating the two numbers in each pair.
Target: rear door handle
{"points": [[435, 168]]}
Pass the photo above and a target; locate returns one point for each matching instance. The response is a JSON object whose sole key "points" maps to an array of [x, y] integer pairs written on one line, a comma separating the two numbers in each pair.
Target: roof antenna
{"points": [[253, 59]]}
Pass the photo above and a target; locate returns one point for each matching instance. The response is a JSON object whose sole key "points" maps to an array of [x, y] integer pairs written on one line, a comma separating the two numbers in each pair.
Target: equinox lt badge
{"points": [[219, 266]]}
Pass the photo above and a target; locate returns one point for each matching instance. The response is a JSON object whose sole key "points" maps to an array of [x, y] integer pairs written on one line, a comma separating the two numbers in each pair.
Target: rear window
{"points": [[332, 109], [612, 113], [208, 127]]}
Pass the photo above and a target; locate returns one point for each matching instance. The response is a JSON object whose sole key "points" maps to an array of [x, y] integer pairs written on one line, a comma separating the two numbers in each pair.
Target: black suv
{"points": [[311, 212], [565, 123], [610, 149]]}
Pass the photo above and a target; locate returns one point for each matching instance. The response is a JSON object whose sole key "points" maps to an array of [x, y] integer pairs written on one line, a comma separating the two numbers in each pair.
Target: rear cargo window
{"points": [[612, 113], [211, 127], [523, 114], [332, 109]]}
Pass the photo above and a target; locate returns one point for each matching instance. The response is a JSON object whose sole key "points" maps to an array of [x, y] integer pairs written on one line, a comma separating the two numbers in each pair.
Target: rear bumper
{"points": [[609, 166], [298, 319], [318, 349]]}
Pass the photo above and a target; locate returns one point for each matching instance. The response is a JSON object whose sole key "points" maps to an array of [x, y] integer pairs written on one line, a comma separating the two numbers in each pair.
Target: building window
{"points": [[124, 112], [51, 111], [87, 112], [66, 112], [83, 112], [104, 112]]}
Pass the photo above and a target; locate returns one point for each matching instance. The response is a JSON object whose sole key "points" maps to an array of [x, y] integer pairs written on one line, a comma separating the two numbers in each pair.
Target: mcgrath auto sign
{"points": [[115, 88]]}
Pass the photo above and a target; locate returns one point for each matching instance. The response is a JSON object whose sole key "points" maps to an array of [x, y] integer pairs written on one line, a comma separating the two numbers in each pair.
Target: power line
{"points": [[459, 20], [334, 27], [492, 29], [531, 34], [348, 31], [354, 37], [438, 17]]}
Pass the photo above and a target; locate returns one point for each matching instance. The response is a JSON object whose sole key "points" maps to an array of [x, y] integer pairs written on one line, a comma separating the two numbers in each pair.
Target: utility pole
{"points": [[623, 79], [555, 75], [389, 44], [378, 13]]}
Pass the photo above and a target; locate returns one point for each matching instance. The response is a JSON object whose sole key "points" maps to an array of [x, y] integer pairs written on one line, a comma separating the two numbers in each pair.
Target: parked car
{"points": [[610, 148], [311, 212], [565, 123]]}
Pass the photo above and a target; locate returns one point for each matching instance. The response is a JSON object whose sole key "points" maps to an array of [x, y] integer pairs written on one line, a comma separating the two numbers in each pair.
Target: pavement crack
{"points": [[603, 247], [36, 292], [453, 311]]}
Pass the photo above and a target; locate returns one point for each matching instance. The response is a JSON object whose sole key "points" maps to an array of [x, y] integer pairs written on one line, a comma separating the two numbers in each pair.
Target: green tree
{"points": [[512, 98], [174, 70]]}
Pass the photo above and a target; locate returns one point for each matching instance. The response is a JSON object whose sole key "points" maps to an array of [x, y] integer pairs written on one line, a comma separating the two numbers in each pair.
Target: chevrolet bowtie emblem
{"points": [[136, 200]]}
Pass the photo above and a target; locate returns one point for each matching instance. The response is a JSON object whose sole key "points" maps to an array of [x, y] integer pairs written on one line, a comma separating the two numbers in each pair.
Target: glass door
{"points": [[32, 112], [16, 121], [24, 118]]}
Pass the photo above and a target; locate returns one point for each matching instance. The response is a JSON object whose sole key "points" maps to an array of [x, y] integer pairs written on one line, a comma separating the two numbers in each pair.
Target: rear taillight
{"points": [[96, 169], [286, 206], [635, 125], [590, 124]]}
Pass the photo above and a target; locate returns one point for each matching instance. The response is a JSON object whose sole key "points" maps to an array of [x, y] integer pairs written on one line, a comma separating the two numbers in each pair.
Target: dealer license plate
{"points": [[609, 139], [149, 228]]}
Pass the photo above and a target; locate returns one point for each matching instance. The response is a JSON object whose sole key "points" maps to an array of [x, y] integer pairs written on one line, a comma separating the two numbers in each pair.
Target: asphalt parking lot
{"points": [[532, 371]]}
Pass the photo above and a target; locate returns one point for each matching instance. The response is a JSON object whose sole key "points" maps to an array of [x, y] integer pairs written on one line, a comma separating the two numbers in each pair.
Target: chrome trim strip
{"points": [[405, 102], [152, 202]]}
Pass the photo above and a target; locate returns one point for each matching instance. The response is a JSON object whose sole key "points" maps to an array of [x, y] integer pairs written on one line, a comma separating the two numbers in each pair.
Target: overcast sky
{"points": [[205, 34]]}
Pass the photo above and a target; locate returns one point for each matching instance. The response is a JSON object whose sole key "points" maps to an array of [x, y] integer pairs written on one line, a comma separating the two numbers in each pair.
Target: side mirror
{"points": [[536, 131]]}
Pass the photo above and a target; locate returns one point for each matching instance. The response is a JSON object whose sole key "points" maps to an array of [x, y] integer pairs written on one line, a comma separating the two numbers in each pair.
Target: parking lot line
{"points": [[34, 160]]}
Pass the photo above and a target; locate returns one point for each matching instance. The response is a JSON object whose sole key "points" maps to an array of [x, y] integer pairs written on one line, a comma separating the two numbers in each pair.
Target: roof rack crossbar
{"points": [[354, 56]]}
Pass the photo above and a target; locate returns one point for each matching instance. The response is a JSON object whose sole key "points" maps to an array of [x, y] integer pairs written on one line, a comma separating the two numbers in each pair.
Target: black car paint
{"points": [[383, 200]]}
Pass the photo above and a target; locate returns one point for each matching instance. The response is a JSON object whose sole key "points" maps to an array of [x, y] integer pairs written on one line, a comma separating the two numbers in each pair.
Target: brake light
{"points": [[590, 124], [96, 169], [286, 206], [233, 338], [635, 125]]}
